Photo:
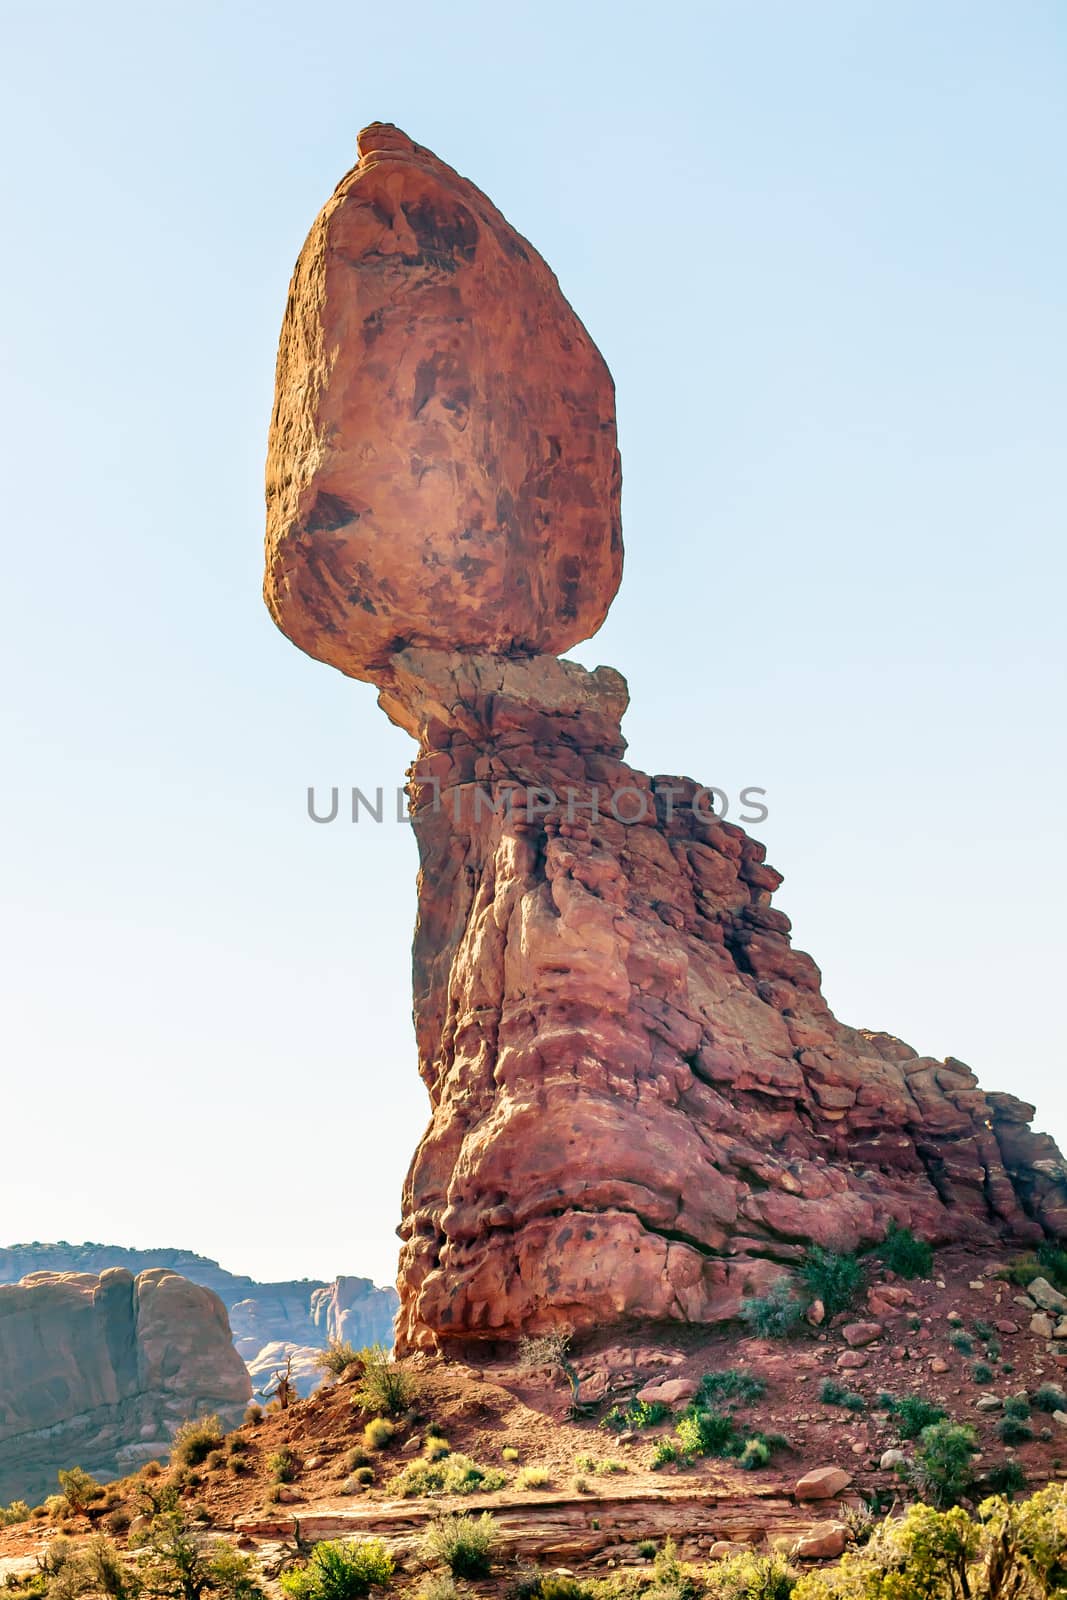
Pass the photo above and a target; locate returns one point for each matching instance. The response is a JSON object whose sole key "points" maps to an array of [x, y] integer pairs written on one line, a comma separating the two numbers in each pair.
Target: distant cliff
{"points": [[98, 1371], [301, 1314]]}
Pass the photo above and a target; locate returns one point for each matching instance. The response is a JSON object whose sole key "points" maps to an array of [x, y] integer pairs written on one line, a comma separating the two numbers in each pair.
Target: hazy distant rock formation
{"points": [[302, 1313], [642, 1107], [98, 1371]]}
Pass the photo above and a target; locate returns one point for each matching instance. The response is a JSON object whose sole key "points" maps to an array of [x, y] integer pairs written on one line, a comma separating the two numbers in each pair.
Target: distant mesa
{"points": [[301, 1314], [98, 1370]]}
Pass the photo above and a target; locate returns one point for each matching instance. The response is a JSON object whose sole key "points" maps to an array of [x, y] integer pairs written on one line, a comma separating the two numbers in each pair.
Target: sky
{"points": [[822, 248]]}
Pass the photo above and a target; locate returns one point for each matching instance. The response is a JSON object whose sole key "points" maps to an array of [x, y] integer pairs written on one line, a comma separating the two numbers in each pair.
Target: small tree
{"points": [[553, 1350], [338, 1355], [78, 1488], [386, 1387]]}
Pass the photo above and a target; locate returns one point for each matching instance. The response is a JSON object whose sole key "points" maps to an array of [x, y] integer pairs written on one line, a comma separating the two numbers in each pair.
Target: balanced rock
{"points": [[442, 467], [99, 1371]]}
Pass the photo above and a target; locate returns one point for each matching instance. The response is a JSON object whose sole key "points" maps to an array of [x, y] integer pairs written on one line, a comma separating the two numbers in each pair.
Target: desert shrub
{"points": [[1006, 1478], [340, 1569], [438, 1586], [533, 1478], [608, 1466], [254, 1415], [509, 1453], [755, 1454], [560, 1586], [906, 1255], [641, 1414], [983, 1330], [941, 1471], [385, 1388], [750, 1577], [453, 1474], [194, 1442], [17, 1511], [665, 1454], [435, 1448], [79, 1489], [151, 1469], [215, 1461], [708, 1433], [1052, 1259], [580, 1484], [1013, 1430], [832, 1278], [962, 1342], [464, 1544], [832, 1393], [912, 1413], [732, 1384], [173, 1562], [981, 1372], [337, 1356], [776, 1315], [646, 1549], [118, 1520], [282, 1466], [378, 1433], [672, 1576], [1050, 1397], [1018, 1406], [357, 1458]]}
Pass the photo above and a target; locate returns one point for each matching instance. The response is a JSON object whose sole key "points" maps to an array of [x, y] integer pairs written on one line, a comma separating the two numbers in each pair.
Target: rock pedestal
{"points": [[643, 1109]]}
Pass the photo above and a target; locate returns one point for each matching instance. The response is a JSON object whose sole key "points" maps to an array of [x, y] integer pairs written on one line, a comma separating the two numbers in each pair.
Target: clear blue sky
{"points": [[822, 247]]}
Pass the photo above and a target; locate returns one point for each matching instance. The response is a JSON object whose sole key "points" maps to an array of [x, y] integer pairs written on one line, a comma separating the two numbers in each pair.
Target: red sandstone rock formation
{"points": [[642, 1107], [442, 466]]}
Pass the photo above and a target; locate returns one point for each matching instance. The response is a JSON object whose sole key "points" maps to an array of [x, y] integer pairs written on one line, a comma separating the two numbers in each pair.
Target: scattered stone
{"points": [[851, 1360], [671, 1391], [859, 1333], [1060, 1418], [988, 1402], [1041, 1325], [822, 1543], [816, 1313], [822, 1483], [955, 1319], [1024, 1300], [938, 1365], [1005, 1325], [1044, 1295], [976, 1283], [892, 1458]]}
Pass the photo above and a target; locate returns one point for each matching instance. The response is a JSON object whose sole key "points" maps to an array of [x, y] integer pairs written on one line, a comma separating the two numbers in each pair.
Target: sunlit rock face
{"points": [[442, 464]]}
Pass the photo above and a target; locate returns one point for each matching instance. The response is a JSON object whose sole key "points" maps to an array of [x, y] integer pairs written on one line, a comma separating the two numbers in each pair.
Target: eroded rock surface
{"points": [[442, 467], [98, 1372], [643, 1108]]}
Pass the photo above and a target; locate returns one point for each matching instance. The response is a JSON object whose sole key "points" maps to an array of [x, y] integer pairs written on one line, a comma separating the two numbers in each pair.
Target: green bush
{"points": [[671, 1576], [732, 1384], [983, 1330], [1018, 1406], [453, 1474], [1007, 1478], [646, 1549], [708, 1433], [750, 1577], [194, 1442], [941, 1471], [173, 1562], [282, 1466], [906, 1255], [962, 1342], [78, 1488], [832, 1393], [340, 1570], [560, 1586], [1012, 1430], [1050, 1397], [981, 1372], [665, 1454], [641, 1414], [776, 1315], [832, 1278], [17, 1511], [1052, 1259], [378, 1433], [533, 1478], [912, 1413], [386, 1388], [756, 1454], [464, 1544], [337, 1357]]}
